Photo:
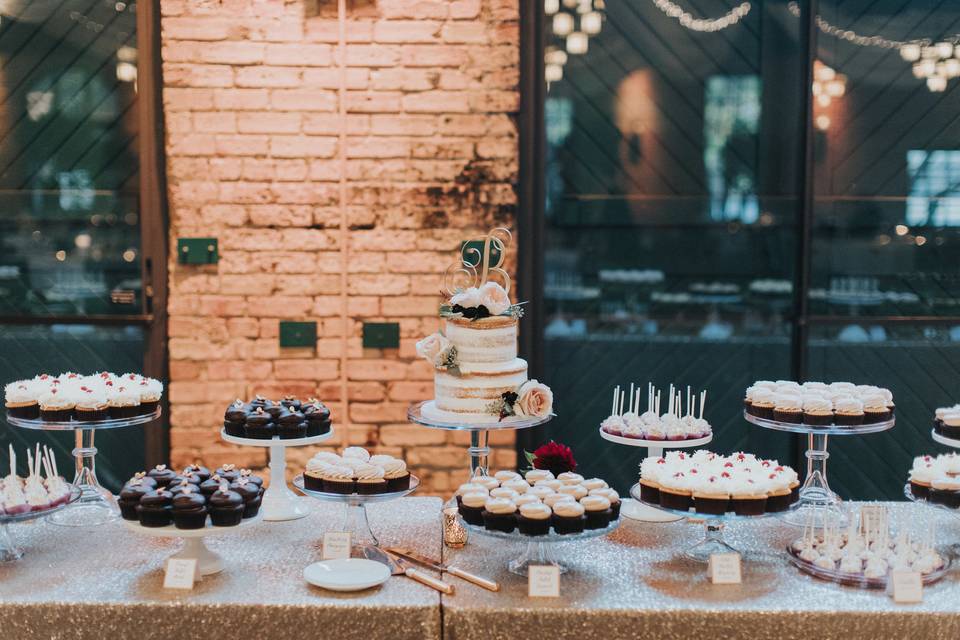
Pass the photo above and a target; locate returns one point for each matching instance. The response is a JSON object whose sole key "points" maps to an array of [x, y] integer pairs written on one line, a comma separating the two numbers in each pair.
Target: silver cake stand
{"points": [[479, 449], [96, 505], [9, 551]]}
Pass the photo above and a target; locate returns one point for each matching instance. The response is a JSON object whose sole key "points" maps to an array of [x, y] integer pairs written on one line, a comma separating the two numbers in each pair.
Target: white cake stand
{"points": [[96, 505], [9, 551], [817, 500], [422, 413], [279, 502], [208, 562], [634, 509]]}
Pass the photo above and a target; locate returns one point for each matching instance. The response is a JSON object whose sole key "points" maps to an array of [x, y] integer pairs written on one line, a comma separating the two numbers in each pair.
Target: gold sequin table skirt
{"points": [[105, 583]]}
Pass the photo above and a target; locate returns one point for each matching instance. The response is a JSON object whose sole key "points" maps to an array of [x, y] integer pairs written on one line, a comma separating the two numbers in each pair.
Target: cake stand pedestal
{"points": [[96, 505], [208, 562], [713, 525], [817, 500], [479, 450], [9, 551], [634, 509], [364, 543], [279, 502], [538, 550]]}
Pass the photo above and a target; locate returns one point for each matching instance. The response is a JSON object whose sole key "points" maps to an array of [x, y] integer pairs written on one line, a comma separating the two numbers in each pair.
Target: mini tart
{"points": [[848, 418], [711, 503], [790, 415], [778, 501], [818, 417], [471, 507], [679, 499], [748, 504], [763, 409], [872, 415]]}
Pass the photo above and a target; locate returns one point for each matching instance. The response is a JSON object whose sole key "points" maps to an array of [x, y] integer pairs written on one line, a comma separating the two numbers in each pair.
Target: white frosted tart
{"points": [[472, 392], [483, 341]]}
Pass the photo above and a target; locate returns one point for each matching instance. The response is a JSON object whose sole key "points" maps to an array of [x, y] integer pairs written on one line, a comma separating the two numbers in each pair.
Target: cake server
{"points": [[439, 566], [401, 567]]}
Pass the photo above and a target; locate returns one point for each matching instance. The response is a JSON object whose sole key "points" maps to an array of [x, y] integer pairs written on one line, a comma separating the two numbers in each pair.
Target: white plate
{"points": [[346, 574]]}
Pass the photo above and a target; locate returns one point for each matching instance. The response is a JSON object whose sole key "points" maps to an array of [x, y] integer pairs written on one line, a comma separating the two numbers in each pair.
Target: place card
{"points": [[724, 568], [873, 517], [336, 544], [907, 586], [543, 581], [181, 573]]}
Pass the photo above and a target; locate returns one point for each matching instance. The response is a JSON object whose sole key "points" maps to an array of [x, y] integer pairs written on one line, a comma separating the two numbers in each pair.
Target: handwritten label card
{"points": [[543, 581], [724, 568], [907, 586], [336, 544], [873, 517], [181, 573]]}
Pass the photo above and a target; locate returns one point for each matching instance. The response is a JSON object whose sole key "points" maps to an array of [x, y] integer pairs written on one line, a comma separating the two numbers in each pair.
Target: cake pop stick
{"points": [[613, 407], [637, 401], [688, 401], [703, 402], [621, 403], [631, 397], [13, 462], [656, 408]]}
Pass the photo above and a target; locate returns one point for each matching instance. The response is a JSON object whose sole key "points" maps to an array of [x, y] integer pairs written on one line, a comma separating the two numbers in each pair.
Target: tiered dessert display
{"points": [[84, 405], [480, 383], [278, 425], [715, 488], [935, 481], [863, 556], [946, 426], [192, 505], [356, 479], [40, 494], [818, 410], [675, 429], [538, 509]]}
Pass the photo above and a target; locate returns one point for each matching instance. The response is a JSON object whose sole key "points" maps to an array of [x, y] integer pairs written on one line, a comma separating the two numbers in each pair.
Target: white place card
{"points": [[181, 573], [907, 586], [543, 581], [336, 544], [873, 517], [724, 568]]}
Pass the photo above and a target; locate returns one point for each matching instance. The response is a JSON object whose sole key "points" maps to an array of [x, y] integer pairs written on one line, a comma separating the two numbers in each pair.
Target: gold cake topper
{"points": [[476, 265]]}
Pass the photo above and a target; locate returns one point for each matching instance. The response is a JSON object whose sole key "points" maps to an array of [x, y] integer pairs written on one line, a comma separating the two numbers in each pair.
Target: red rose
{"points": [[554, 457]]}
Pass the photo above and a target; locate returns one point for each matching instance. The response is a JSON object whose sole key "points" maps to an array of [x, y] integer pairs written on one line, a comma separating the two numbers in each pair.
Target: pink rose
{"points": [[432, 346], [534, 400], [494, 297]]}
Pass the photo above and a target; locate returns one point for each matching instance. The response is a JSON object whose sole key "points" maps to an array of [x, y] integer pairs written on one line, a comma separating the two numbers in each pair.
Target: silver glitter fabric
{"points": [[635, 583], [106, 582]]}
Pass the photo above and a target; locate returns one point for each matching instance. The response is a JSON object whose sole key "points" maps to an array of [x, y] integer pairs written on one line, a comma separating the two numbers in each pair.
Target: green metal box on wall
{"points": [[381, 335], [197, 251], [298, 334]]}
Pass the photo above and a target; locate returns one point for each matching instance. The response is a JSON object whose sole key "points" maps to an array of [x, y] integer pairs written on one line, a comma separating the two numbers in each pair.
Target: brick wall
{"points": [[251, 102]]}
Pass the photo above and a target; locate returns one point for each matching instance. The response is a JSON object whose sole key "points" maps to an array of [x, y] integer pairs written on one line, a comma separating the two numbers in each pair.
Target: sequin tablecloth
{"points": [[635, 583], [106, 583]]}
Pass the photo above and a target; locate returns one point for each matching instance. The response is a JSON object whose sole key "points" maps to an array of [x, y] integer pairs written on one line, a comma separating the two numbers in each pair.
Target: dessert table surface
{"points": [[105, 582]]}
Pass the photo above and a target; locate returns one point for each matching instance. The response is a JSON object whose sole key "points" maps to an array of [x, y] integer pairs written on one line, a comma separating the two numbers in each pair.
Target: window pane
{"points": [[27, 351], [69, 214]]}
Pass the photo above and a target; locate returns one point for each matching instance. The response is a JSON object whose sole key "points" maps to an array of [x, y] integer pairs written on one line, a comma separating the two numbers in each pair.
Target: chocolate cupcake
{"points": [[711, 498], [188, 477], [274, 410], [236, 411], [534, 519], [613, 497], [250, 476], [154, 509], [189, 509], [198, 471], [748, 500], [313, 478], [875, 409], [817, 411], [259, 425], [317, 416], [228, 472], [762, 403], [649, 491], [500, 514], [598, 512], [291, 403], [260, 401], [179, 487], [144, 479], [396, 474], [338, 479], [21, 401], [161, 475], [471, 507], [291, 425], [945, 491], [211, 484], [950, 426], [56, 406], [130, 496], [225, 507], [91, 405], [251, 494], [788, 408], [568, 517], [235, 429]]}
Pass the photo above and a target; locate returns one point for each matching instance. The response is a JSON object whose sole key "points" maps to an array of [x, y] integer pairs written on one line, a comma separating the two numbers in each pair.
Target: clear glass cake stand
{"points": [[96, 505], [363, 540], [479, 449], [713, 525], [538, 550], [9, 551], [817, 500]]}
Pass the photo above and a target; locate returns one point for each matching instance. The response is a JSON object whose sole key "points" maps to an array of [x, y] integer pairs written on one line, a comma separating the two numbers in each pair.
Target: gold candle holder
{"points": [[454, 534]]}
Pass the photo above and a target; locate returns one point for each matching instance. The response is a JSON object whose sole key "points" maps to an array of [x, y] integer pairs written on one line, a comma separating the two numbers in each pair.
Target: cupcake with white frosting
{"points": [[499, 514], [534, 519]]}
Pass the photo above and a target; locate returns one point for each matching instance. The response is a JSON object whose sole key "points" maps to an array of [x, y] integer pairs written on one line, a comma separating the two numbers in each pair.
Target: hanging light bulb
{"points": [[944, 49], [591, 23], [570, 4], [585, 6], [936, 83], [929, 52], [823, 122], [550, 7], [823, 73], [910, 51], [553, 73], [837, 87], [557, 56], [924, 68], [562, 24], [823, 100], [951, 67], [577, 43]]}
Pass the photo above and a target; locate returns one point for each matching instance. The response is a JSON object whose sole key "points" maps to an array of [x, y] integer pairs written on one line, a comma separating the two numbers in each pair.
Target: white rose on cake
{"points": [[467, 298], [494, 297], [534, 399], [433, 347]]}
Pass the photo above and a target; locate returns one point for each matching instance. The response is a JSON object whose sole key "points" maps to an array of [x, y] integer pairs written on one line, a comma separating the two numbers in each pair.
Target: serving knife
{"points": [[402, 567], [422, 560]]}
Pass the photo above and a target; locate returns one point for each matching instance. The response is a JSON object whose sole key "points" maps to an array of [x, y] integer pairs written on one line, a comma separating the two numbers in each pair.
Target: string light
{"points": [[562, 24], [550, 7], [577, 43], [591, 23], [705, 25]]}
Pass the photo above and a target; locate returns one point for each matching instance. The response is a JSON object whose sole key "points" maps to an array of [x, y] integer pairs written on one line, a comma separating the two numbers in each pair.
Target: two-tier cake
{"points": [[478, 377]]}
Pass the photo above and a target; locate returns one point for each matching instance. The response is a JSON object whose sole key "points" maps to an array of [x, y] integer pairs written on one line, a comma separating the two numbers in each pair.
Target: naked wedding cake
{"points": [[478, 377]]}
